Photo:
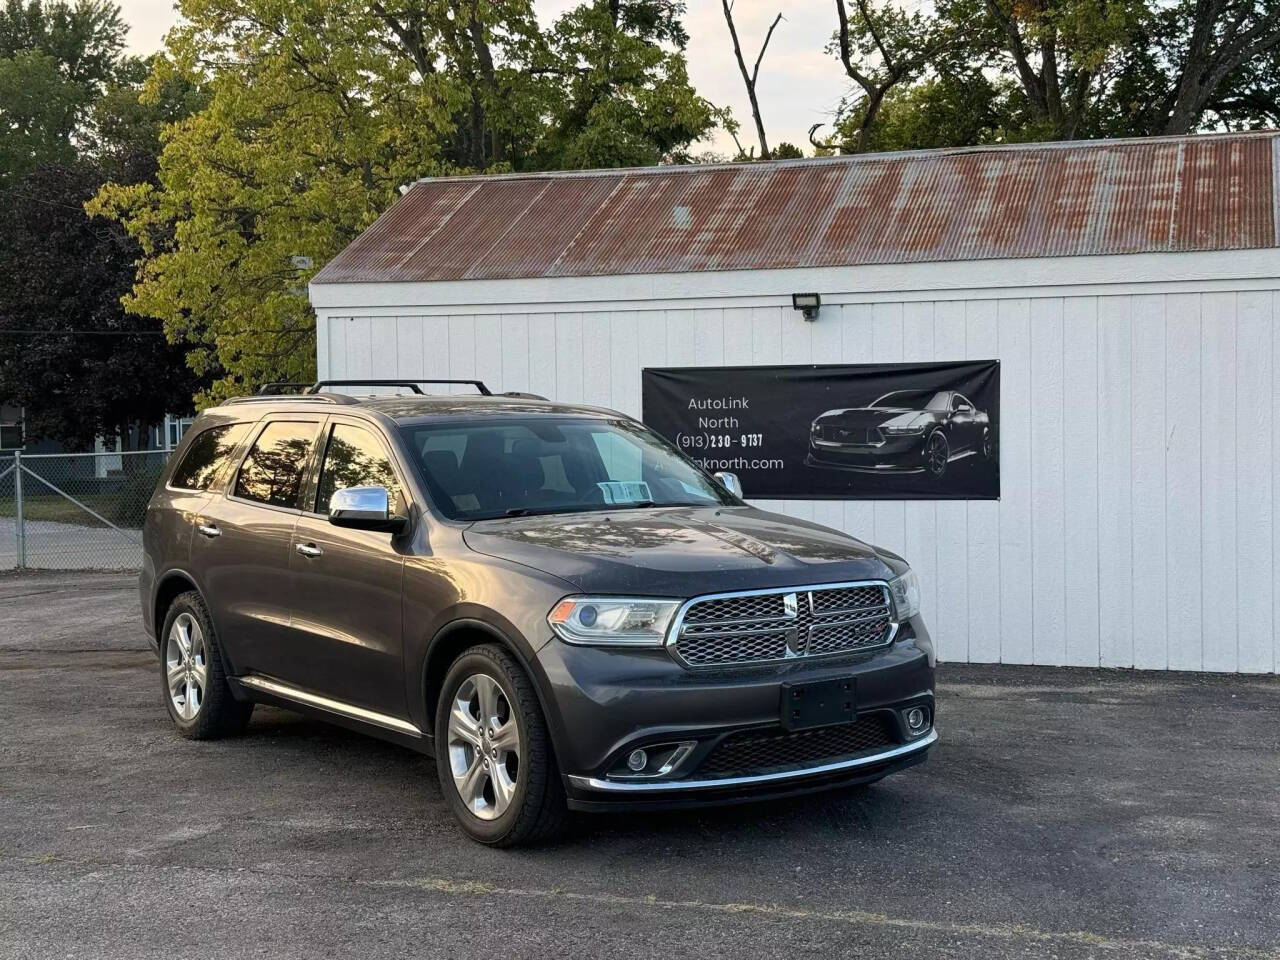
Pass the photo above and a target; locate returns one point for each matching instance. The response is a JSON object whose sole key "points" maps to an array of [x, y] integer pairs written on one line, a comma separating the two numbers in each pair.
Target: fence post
{"points": [[20, 535]]}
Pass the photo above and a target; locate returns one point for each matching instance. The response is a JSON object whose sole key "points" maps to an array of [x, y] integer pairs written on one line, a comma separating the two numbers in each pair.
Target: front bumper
{"points": [[603, 704], [894, 455]]}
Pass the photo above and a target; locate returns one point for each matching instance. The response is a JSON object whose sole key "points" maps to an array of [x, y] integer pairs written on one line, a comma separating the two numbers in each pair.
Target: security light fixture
{"points": [[807, 304]]}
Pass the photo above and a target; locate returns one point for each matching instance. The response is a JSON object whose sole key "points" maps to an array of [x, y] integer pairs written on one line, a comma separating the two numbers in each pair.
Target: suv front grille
{"points": [[755, 627], [756, 752]]}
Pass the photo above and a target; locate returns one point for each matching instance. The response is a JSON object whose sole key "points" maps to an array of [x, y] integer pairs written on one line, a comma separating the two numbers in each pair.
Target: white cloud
{"points": [[799, 84]]}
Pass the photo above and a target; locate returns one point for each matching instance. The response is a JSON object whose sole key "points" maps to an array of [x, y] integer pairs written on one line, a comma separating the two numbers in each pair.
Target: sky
{"points": [[799, 84]]}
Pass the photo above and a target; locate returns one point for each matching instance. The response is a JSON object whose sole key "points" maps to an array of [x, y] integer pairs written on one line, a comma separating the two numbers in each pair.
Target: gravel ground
{"points": [[1064, 813]]}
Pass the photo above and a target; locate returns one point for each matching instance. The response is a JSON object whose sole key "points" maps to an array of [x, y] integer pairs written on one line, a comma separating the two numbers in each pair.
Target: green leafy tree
{"points": [[976, 71], [622, 95], [55, 60], [316, 111]]}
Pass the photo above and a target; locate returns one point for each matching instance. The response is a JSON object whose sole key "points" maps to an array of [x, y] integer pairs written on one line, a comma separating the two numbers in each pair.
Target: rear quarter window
{"points": [[205, 458]]}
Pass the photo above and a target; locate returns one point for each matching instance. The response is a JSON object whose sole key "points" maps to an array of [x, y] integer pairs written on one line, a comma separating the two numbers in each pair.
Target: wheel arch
{"points": [[168, 588], [457, 636]]}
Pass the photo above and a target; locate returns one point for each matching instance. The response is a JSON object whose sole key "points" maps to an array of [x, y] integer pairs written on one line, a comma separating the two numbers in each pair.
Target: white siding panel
{"points": [[462, 351], [1014, 440], [1048, 473], [1183, 500], [1115, 481], [490, 349], [408, 349], [624, 347], [542, 355], [515, 352], [568, 354], [1080, 476], [1257, 439], [1219, 620], [1147, 599], [597, 360], [1138, 442]]}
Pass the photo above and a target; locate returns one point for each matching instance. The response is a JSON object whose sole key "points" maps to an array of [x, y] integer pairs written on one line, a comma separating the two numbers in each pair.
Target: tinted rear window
{"points": [[208, 454], [272, 472]]}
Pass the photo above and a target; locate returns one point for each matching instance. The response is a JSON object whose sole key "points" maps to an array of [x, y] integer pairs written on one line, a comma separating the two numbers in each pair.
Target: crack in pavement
{"points": [[446, 886]]}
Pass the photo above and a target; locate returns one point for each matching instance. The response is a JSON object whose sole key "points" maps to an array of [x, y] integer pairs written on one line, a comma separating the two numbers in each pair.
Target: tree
{"points": [[316, 111], [620, 94], [751, 79], [889, 48], [69, 354], [55, 61], [979, 71]]}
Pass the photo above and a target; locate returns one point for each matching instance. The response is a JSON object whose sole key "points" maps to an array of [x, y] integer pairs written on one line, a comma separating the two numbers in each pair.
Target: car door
{"points": [[241, 547], [347, 583]]}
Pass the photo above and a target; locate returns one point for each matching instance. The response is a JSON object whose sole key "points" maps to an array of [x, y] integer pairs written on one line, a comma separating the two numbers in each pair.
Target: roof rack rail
{"points": [[521, 395], [278, 389], [332, 398]]}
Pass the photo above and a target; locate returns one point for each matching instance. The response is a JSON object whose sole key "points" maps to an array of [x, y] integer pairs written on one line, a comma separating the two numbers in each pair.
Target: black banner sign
{"points": [[896, 431]]}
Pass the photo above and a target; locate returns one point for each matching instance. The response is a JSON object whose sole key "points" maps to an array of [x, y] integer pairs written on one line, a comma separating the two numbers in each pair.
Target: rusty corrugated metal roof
{"points": [[1214, 192]]}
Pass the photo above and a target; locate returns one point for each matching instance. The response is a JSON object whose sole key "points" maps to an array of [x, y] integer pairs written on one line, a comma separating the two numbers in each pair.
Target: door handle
{"points": [[308, 550], [209, 530]]}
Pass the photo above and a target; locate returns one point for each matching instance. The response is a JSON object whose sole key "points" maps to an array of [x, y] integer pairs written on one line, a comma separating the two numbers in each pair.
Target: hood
{"points": [[678, 551], [872, 417]]}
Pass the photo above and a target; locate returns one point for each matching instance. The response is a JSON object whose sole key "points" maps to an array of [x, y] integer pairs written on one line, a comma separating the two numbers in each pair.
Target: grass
{"points": [[61, 510]]}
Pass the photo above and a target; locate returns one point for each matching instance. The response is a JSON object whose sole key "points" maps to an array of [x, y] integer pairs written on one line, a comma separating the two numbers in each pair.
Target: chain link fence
{"points": [[75, 511]]}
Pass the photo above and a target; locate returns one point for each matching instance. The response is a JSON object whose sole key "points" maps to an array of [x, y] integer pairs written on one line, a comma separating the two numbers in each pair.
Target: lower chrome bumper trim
{"points": [[613, 786]]}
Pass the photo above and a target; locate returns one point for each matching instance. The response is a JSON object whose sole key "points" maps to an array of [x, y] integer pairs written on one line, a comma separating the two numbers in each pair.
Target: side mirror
{"points": [[730, 482], [364, 508]]}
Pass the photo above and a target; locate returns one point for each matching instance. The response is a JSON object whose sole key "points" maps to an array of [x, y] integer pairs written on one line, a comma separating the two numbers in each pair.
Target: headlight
{"points": [[902, 431], [605, 621], [905, 592]]}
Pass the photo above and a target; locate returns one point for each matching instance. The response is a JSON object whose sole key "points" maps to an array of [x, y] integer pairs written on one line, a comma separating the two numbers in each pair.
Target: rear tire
{"points": [[493, 752], [196, 692]]}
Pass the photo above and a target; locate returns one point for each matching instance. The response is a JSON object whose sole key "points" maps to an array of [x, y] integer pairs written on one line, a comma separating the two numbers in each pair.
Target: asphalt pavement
{"points": [[1065, 813]]}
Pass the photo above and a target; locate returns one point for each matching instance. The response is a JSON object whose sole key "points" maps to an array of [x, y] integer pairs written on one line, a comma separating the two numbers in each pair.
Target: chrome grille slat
{"points": [[754, 627]]}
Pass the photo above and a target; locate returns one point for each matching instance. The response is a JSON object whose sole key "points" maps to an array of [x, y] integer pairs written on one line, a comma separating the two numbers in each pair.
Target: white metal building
{"points": [[1130, 289]]}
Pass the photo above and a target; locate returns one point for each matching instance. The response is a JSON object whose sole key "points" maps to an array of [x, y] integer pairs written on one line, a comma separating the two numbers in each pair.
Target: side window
{"points": [[354, 458], [958, 401], [207, 455], [272, 472]]}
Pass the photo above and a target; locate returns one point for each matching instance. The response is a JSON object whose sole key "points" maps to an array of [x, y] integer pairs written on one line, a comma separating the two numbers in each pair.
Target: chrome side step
{"points": [[279, 688]]}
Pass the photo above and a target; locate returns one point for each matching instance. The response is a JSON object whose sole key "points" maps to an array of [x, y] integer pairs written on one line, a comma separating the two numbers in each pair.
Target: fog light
{"points": [[638, 760], [917, 720]]}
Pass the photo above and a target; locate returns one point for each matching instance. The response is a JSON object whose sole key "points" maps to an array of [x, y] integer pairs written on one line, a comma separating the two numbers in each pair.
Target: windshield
{"points": [[914, 400], [517, 467]]}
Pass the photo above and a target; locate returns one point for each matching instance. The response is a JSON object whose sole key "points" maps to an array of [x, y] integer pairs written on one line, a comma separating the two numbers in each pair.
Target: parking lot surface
{"points": [[1064, 813]]}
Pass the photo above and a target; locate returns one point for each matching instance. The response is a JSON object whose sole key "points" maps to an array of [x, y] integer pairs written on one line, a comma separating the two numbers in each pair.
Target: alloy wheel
{"points": [[186, 666], [935, 454], [484, 746]]}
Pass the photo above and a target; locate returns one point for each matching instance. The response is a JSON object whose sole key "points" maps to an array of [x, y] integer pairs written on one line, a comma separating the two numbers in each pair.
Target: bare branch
{"points": [[750, 78]]}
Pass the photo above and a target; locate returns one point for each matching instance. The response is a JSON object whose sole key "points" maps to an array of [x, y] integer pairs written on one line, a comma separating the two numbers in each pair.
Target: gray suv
{"points": [[548, 599]]}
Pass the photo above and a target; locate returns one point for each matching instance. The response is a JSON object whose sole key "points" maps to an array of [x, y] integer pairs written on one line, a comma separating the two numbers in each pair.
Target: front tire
{"points": [[937, 453], [196, 692], [493, 752]]}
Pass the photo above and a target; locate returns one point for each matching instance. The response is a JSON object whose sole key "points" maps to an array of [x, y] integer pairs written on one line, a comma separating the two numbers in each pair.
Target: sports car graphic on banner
{"points": [[906, 431], [850, 431]]}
